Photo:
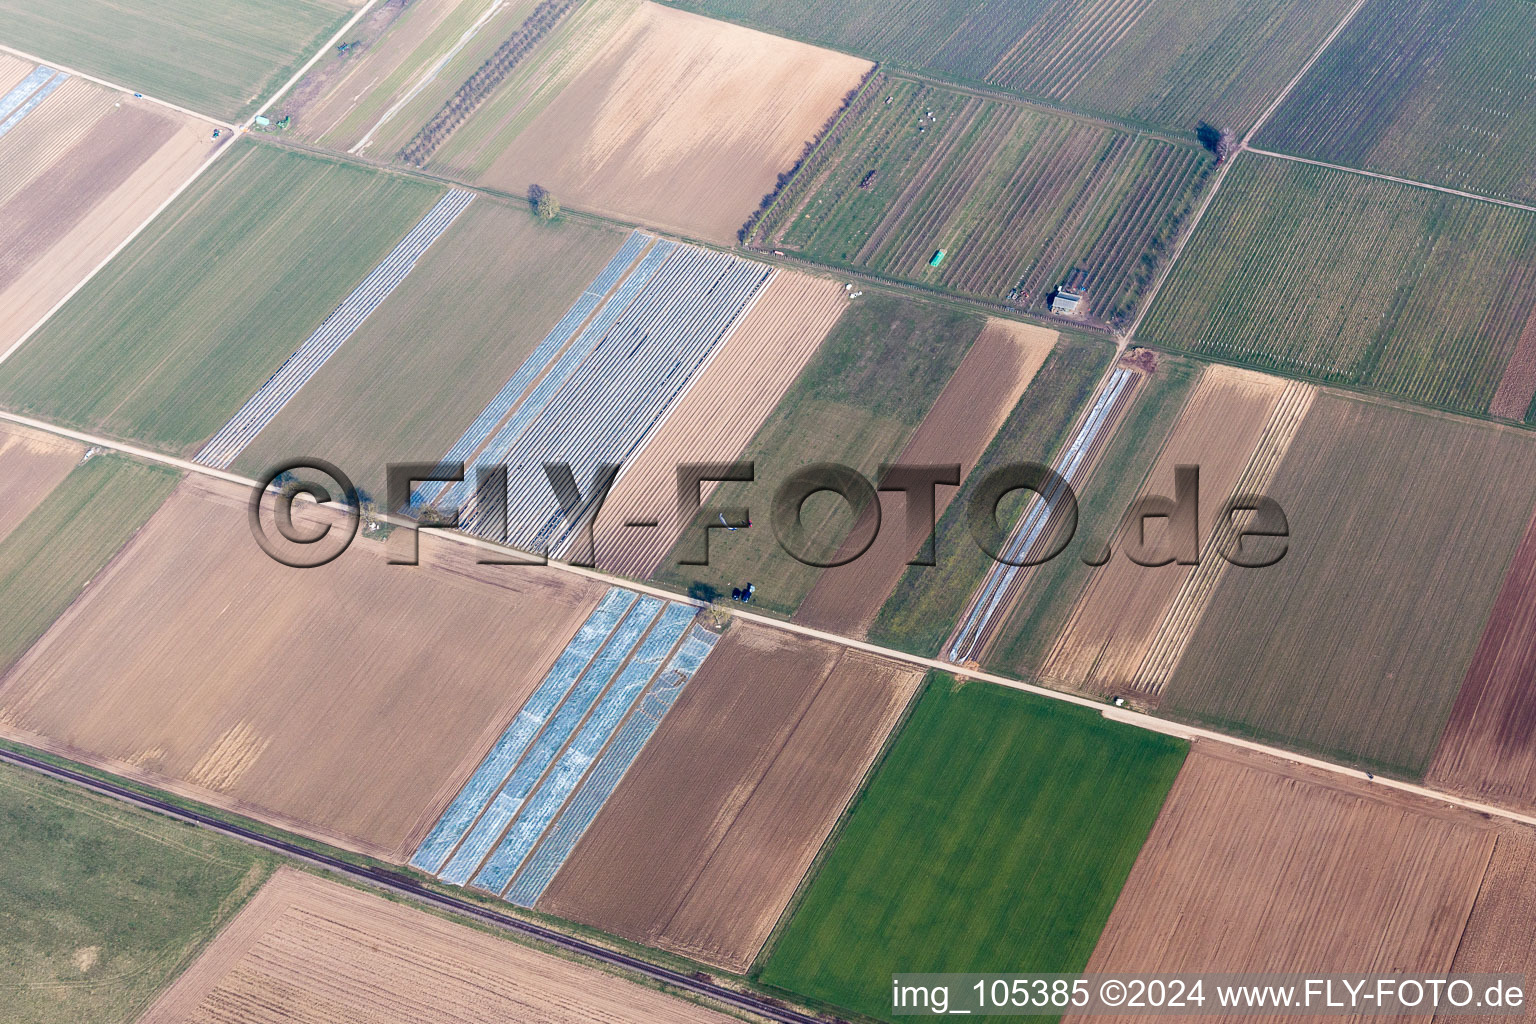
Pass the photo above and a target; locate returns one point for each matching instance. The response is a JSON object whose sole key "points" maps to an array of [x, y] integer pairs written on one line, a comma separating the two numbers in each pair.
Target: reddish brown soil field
{"points": [[1257, 865], [349, 702], [969, 411], [31, 465], [1488, 749], [704, 842], [1119, 613], [309, 951], [1518, 385], [1499, 938], [716, 417]]}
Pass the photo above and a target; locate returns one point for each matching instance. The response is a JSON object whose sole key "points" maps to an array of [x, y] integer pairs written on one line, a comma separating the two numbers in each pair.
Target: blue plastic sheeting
{"points": [[544, 352], [328, 338], [560, 370], [606, 408], [604, 778], [498, 764], [551, 741], [32, 90], [595, 733]]}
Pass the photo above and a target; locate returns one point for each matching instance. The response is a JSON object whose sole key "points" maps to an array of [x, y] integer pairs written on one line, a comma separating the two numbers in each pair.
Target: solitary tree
{"points": [[1219, 142], [544, 202]]}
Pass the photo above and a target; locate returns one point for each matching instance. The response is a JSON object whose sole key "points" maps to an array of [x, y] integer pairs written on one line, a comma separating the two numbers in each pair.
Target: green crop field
{"points": [[1354, 280], [411, 378], [1167, 64], [1017, 199], [1042, 609], [166, 343], [857, 402], [928, 601], [1355, 644], [54, 552], [1435, 90], [220, 59], [995, 836], [101, 904]]}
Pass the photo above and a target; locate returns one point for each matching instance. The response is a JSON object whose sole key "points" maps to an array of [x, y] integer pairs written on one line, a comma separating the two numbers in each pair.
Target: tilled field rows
{"points": [[525, 808]]}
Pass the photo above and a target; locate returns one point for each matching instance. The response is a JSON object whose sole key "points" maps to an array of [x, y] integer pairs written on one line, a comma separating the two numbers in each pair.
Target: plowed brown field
{"points": [[678, 121], [969, 411], [1256, 865], [1518, 385], [77, 177], [1119, 613], [717, 416], [1488, 749], [349, 702], [702, 845], [1499, 938], [309, 951], [31, 465]]}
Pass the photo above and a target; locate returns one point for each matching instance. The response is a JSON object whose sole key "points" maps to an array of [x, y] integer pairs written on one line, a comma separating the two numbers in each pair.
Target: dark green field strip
{"points": [[1354, 280], [102, 905], [219, 59], [929, 599], [1356, 643], [1435, 90], [1043, 608], [66, 540], [1164, 64], [856, 403], [995, 836], [1016, 198], [167, 342]]}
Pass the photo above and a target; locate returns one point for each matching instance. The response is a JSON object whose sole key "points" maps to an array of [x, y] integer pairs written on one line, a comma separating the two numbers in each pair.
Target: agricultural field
{"points": [[165, 674], [1355, 644], [704, 842], [995, 373], [104, 904], [307, 950], [638, 111], [1232, 429], [1435, 90], [167, 341], [1155, 63], [1356, 280], [404, 62], [32, 464], [1016, 199], [1496, 939], [716, 417], [927, 600], [598, 385], [998, 830], [83, 166], [220, 59], [1257, 865], [49, 557], [857, 403], [1488, 749], [445, 340]]}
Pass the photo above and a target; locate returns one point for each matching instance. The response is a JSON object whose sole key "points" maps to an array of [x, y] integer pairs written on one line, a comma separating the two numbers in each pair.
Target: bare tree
{"points": [[1218, 141]]}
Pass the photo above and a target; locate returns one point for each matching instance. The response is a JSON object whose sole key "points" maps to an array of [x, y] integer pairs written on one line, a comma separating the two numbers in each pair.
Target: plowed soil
{"points": [[349, 702], [969, 412], [702, 845], [1499, 938], [1518, 385], [718, 415], [31, 465], [1256, 865], [309, 951], [1119, 613], [1488, 749]]}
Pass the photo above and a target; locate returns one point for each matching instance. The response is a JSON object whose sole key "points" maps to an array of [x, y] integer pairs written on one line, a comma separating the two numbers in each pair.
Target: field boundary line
{"points": [[218, 122], [1138, 719], [1394, 178], [1166, 270]]}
